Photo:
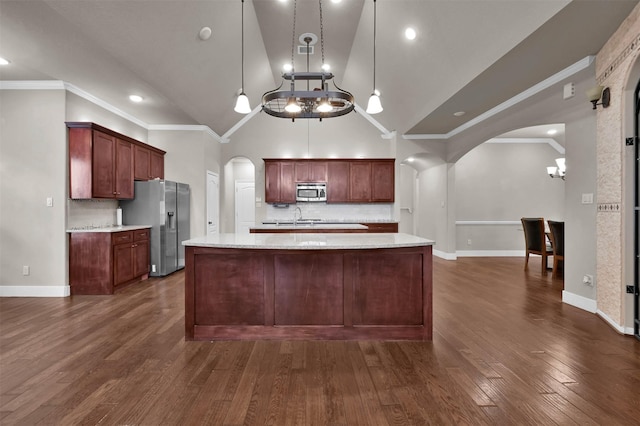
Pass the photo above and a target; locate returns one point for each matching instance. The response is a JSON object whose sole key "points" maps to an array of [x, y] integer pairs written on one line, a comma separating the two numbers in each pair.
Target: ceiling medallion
{"points": [[317, 102]]}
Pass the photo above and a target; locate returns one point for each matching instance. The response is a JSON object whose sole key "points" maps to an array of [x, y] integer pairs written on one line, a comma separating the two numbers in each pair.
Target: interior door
{"points": [[245, 206], [636, 302], [213, 203]]}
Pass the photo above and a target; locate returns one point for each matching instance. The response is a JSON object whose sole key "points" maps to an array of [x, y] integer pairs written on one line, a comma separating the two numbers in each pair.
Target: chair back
{"points": [[557, 237], [535, 238]]}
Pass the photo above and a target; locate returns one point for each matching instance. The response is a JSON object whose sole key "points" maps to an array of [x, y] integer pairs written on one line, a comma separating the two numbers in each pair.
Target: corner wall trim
{"points": [[444, 255], [578, 301], [35, 291]]}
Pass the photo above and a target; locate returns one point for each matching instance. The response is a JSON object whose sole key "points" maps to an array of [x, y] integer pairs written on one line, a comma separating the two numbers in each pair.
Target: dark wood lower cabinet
{"points": [[99, 262], [242, 294]]}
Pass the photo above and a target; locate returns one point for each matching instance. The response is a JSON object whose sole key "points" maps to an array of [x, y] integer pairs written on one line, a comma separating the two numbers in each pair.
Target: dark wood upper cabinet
{"points": [[338, 182], [279, 181], [383, 181], [104, 163], [360, 181], [348, 181], [310, 171]]}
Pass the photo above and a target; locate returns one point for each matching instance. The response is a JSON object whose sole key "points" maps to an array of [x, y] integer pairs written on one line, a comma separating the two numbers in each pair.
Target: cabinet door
{"points": [[287, 182], [103, 161], [141, 163], [140, 253], [360, 181], [318, 171], [338, 182], [122, 263], [157, 165], [271, 181], [382, 181], [302, 171], [124, 170]]}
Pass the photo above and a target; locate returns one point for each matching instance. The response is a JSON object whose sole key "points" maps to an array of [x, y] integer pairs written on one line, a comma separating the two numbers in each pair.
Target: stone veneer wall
{"points": [[613, 65]]}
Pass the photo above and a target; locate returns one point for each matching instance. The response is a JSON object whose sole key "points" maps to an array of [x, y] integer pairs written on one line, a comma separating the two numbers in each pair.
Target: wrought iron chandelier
{"points": [[318, 102]]}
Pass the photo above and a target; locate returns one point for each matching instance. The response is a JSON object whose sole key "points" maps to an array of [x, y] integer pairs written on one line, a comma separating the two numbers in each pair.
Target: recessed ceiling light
{"points": [[459, 113], [326, 67], [552, 132], [135, 98], [205, 33], [4, 61], [336, 1], [410, 159], [410, 33], [287, 67]]}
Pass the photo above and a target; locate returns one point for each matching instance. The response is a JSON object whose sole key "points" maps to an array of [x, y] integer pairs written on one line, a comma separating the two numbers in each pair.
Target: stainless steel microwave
{"points": [[311, 192]]}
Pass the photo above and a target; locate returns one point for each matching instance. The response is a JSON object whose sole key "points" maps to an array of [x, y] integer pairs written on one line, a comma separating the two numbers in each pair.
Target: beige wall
{"points": [[33, 153], [189, 154], [614, 68]]}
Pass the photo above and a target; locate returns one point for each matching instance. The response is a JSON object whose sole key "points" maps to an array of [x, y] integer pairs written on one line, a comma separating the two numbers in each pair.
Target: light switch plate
{"points": [[587, 198]]}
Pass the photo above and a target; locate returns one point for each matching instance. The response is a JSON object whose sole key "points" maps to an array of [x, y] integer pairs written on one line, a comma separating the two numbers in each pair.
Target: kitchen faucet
{"points": [[295, 215]]}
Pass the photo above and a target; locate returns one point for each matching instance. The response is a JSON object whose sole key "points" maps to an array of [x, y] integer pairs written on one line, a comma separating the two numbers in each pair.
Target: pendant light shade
{"points": [[242, 103], [374, 106]]}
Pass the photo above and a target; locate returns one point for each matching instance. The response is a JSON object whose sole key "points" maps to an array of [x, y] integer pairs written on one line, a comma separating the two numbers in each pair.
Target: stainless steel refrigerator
{"points": [[165, 206]]}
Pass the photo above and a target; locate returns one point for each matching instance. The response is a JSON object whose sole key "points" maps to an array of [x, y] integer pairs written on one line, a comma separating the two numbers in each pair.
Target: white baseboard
{"points": [[444, 255], [581, 302], [490, 253], [612, 323], [35, 291]]}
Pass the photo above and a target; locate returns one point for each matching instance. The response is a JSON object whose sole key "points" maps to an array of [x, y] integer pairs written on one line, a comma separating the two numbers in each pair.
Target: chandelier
{"points": [[308, 102], [558, 171]]}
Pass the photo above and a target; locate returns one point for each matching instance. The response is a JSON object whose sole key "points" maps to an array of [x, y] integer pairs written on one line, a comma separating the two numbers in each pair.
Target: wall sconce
{"points": [[596, 93], [558, 172]]}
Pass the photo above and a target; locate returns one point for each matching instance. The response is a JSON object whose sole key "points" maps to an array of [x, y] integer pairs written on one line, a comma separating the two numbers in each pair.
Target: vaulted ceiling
{"points": [[469, 55]]}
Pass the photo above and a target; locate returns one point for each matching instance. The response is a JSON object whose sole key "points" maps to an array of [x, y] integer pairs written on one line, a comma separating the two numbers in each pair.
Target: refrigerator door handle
{"points": [[172, 220]]}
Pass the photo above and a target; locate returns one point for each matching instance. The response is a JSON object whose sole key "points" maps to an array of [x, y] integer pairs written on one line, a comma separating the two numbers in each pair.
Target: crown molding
{"points": [[555, 145]]}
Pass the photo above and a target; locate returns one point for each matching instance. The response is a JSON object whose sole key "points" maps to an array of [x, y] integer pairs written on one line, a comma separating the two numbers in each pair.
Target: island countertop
{"points": [[302, 241]]}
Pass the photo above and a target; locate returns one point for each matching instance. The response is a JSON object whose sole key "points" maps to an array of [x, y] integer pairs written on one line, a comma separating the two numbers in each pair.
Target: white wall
{"points": [[33, 158], [502, 182], [189, 154]]}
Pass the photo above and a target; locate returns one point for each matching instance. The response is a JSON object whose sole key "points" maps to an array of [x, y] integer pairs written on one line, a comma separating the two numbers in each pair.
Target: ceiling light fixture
{"points": [[4, 61], [410, 33], [596, 93], [242, 103], [374, 106], [552, 132], [135, 98], [319, 102], [558, 172]]}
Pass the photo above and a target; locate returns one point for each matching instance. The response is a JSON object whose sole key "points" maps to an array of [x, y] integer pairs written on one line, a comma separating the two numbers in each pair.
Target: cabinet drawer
{"points": [[121, 237], [141, 235]]}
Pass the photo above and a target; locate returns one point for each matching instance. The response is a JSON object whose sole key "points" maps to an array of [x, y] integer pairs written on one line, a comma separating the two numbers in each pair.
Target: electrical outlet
{"points": [[469, 242], [49, 202], [587, 280], [25, 270]]}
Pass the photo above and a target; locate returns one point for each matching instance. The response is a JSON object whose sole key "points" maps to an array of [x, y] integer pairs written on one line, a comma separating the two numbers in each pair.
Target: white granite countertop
{"points": [[315, 225], [113, 228], [302, 241]]}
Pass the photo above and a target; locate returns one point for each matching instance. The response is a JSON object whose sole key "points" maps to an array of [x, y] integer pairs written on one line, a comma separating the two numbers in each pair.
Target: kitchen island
{"points": [[308, 286]]}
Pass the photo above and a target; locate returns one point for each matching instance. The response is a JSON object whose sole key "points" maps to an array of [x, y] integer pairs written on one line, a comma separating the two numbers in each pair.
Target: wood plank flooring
{"points": [[505, 351]]}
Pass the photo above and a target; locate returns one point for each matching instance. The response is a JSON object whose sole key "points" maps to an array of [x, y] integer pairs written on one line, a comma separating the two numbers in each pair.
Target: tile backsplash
{"points": [[333, 212], [91, 213]]}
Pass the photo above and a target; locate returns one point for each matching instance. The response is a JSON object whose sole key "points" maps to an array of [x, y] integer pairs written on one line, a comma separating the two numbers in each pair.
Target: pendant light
{"points": [[374, 106], [242, 103]]}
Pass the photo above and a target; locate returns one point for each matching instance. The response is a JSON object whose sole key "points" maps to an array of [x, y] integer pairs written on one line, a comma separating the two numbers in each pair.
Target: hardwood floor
{"points": [[505, 351]]}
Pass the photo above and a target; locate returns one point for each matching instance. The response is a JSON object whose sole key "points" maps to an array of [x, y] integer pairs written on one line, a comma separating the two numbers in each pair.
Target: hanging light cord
{"points": [[293, 34], [374, 45], [242, 38]]}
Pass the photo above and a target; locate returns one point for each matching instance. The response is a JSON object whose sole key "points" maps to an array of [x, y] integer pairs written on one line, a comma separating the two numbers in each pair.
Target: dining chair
{"points": [[535, 240], [557, 241]]}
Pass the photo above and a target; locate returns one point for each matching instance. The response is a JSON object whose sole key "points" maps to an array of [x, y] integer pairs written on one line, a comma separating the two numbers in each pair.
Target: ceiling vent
{"points": [[303, 50]]}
